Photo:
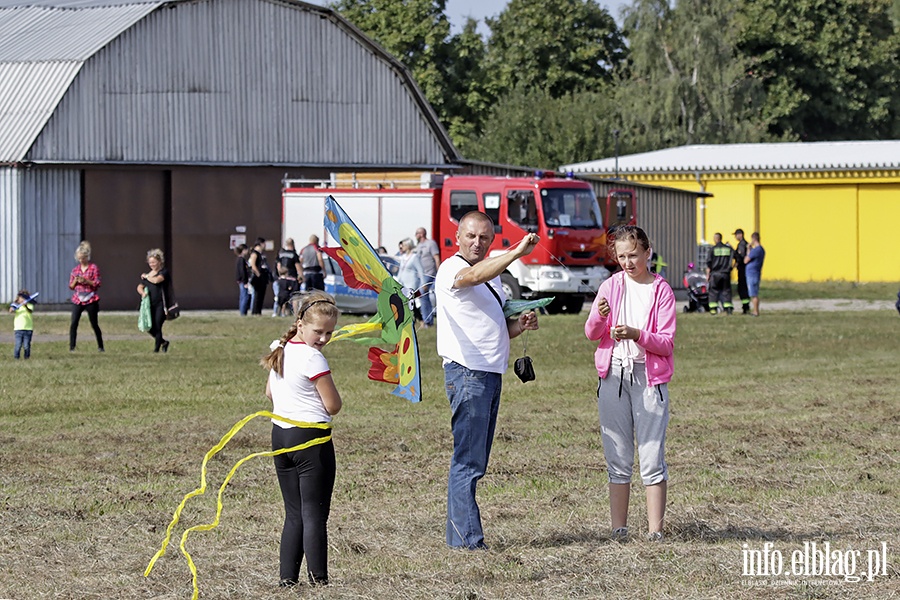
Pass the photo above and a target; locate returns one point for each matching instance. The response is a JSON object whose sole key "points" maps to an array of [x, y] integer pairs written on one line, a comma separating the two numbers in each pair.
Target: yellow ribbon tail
{"points": [[219, 505]]}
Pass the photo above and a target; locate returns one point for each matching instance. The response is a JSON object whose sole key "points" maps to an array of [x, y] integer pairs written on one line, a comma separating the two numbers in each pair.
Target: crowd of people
{"points": [[747, 259], [305, 271]]}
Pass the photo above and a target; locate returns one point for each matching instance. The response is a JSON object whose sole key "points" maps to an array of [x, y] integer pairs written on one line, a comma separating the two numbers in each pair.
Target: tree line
{"points": [[559, 81]]}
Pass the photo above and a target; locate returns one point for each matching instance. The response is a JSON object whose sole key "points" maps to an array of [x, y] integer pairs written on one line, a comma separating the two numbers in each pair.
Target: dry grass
{"points": [[784, 429]]}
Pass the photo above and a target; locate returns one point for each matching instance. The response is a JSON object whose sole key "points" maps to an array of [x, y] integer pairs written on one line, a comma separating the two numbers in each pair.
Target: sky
{"points": [[458, 10]]}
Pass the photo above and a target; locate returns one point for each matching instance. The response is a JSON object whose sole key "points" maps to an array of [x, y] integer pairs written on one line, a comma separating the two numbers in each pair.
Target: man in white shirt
{"points": [[473, 340]]}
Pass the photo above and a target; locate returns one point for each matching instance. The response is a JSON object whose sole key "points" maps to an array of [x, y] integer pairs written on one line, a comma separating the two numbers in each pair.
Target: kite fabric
{"points": [[145, 321], [30, 298], [326, 435], [512, 308], [393, 324]]}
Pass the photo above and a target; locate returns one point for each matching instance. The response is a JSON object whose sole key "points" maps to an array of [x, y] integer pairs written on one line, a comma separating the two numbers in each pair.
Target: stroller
{"points": [[698, 297]]}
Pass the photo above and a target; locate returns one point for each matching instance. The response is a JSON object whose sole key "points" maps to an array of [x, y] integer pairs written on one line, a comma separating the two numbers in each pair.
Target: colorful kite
{"points": [[394, 324]]}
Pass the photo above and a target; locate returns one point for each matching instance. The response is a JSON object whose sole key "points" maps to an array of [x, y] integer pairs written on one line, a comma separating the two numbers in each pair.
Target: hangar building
{"points": [[172, 124]]}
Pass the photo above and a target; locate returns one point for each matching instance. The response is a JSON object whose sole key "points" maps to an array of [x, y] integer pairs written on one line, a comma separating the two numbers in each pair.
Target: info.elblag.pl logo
{"points": [[813, 561]]}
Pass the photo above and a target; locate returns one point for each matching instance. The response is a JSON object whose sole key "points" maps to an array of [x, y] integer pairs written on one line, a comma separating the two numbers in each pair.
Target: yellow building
{"points": [[824, 210]]}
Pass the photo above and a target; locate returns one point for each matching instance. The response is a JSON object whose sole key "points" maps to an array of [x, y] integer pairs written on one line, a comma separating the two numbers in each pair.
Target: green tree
{"points": [[532, 128], [561, 45], [830, 68], [467, 100], [684, 81], [416, 32]]}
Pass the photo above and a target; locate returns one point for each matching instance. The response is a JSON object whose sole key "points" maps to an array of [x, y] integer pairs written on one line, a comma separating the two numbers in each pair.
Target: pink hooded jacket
{"points": [[657, 338]]}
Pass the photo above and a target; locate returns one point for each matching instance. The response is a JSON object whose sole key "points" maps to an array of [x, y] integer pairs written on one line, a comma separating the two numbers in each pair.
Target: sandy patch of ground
{"points": [[827, 305]]}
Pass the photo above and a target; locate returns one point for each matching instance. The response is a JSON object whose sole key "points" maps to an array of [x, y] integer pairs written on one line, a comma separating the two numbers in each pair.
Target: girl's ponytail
{"points": [[274, 360]]}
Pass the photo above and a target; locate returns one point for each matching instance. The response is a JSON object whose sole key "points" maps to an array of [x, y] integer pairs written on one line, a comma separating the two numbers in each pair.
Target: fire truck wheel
{"points": [[510, 286], [565, 304], [573, 306]]}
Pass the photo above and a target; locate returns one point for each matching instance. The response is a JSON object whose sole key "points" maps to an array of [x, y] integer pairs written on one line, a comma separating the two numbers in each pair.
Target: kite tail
{"points": [[215, 523], [198, 491], [202, 489]]}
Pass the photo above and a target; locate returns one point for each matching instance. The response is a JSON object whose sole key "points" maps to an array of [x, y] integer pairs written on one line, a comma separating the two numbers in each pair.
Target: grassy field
{"points": [[790, 290], [785, 429]]}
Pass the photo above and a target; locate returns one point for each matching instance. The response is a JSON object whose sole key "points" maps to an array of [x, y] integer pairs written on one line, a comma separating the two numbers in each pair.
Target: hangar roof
{"points": [[730, 158], [42, 48], [246, 87]]}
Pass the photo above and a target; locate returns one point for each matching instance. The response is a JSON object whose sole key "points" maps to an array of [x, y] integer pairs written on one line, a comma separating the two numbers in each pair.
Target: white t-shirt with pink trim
{"points": [[637, 301], [295, 396]]}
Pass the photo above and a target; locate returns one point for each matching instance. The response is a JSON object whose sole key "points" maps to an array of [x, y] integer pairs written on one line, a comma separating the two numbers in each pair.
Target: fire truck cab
{"points": [[568, 263]]}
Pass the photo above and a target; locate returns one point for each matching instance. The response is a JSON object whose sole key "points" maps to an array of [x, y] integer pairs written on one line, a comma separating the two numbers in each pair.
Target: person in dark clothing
{"points": [[718, 271], [288, 261], [740, 253], [313, 265], [242, 277], [155, 283], [260, 276]]}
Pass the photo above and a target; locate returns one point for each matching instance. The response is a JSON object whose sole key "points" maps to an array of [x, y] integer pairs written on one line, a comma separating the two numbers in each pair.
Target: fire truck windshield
{"points": [[575, 209]]}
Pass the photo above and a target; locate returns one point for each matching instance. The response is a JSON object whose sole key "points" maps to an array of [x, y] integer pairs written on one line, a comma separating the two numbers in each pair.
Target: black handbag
{"points": [[173, 311], [523, 367]]}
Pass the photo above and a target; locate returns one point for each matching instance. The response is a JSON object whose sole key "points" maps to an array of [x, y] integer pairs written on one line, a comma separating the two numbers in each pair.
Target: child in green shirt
{"points": [[23, 325]]}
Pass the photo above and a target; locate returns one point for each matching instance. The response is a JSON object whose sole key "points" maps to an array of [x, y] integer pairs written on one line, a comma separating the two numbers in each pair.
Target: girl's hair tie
{"points": [[313, 303]]}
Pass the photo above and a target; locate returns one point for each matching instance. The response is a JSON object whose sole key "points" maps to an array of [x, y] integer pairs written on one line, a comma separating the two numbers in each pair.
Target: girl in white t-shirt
{"points": [[633, 321], [301, 389]]}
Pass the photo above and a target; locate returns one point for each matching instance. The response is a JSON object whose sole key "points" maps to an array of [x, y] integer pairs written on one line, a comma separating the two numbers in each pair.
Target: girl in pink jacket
{"points": [[633, 320]]}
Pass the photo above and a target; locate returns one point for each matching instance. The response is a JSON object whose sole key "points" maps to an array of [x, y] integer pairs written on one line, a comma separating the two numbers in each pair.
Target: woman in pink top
{"points": [[84, 281], [633, 320]]}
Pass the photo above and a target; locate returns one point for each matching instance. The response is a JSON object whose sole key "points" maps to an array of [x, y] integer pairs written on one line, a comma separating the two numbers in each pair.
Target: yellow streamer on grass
{"points": [[202, 489]]}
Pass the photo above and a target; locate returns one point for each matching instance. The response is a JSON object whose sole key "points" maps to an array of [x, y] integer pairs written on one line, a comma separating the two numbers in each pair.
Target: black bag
{"points": [[523, 368], [170, 305], [173, 312]]}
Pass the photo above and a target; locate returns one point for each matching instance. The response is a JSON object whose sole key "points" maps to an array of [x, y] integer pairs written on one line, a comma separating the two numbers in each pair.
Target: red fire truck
{"points": [[569, 263]]}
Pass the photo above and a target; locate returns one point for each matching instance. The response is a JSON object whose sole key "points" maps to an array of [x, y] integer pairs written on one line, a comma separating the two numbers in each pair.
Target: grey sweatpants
{"points": [[630, 410]]}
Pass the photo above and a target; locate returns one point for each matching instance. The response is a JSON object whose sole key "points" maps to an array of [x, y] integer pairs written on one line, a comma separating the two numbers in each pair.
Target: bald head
{"points": [[476, 216]]}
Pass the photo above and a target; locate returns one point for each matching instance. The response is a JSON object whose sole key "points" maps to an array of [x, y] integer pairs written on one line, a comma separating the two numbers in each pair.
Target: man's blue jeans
{"points": [[474, 401], [275, 288], [426, 300], [23, 342]]}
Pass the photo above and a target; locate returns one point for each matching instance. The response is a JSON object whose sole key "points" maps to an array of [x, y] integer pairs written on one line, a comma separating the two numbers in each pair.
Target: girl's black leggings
{"points": [[306, 478], [93, 309]]}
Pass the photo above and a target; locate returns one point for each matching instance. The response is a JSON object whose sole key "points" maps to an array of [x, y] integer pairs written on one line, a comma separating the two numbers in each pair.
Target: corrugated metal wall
{"points": [[239, 82], [10, 221], [40, 221], [51, 229]]}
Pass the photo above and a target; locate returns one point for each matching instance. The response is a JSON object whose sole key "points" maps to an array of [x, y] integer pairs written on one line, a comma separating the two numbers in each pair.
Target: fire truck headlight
{"points": [[552, 275]]}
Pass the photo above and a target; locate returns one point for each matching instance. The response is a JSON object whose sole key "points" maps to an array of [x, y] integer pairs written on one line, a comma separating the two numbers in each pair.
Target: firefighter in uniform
{"points": [[718, 272], [740, 253]]}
